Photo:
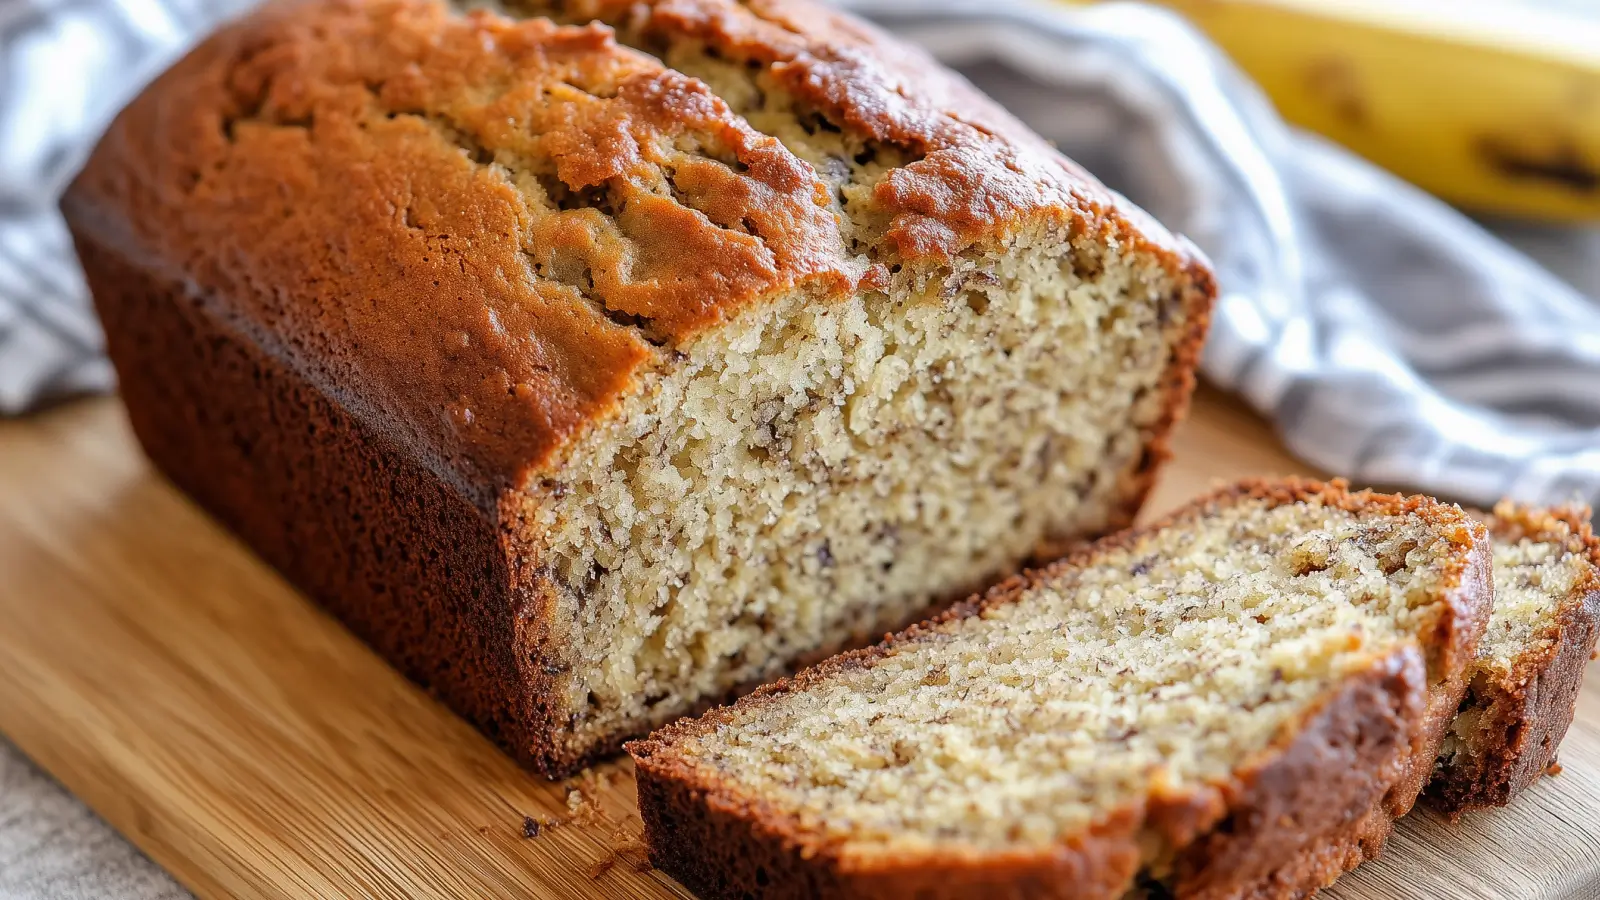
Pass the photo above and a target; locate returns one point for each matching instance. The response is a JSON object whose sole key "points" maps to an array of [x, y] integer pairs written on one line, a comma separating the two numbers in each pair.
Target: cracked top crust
{"points": [[478, 233]]}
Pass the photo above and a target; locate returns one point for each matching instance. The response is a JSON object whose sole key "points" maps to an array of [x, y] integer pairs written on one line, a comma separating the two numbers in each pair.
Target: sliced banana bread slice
{"points": [[1524, 684], [1188, 706]]}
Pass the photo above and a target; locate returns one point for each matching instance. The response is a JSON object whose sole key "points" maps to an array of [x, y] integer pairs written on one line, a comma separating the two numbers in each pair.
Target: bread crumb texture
{"points": [[1545, 582], [1169, 659], [818, 474], [1534, 577]]}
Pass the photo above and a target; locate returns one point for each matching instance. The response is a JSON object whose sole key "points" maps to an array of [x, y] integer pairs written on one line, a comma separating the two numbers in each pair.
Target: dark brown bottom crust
{"points": [[1320, 865], [710, 848], [1521, 728]]}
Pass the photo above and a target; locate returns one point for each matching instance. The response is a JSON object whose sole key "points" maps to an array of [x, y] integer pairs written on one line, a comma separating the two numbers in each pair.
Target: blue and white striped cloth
{"points": [[66, 67], [1389, 338]]}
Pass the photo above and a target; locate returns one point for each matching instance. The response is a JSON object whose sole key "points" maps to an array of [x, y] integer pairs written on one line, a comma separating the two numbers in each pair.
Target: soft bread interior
{"points": [[1172, 659], [819, 472]]}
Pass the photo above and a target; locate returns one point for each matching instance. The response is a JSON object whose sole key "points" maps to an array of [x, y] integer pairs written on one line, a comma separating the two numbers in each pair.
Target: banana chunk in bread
{"points": [[1523, 686], [1188, 706], [588, 389]]}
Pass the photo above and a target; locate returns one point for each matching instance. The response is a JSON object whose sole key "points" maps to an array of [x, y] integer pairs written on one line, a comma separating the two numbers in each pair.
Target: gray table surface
{"points": [[52, 847]]}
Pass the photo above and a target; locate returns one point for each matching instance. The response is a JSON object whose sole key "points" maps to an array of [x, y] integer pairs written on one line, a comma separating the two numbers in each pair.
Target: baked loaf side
{"points": [[1189, 707], [589, 389], [1524, 684]]}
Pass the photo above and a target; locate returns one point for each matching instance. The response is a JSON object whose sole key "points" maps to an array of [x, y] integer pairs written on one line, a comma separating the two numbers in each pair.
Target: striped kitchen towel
{"points": [[66, 67], [1388, 337]]}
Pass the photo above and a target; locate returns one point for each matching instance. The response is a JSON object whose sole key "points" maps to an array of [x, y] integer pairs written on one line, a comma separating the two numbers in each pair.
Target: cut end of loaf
{"points": [[1145, 672], [821, 472], [823, 467]]}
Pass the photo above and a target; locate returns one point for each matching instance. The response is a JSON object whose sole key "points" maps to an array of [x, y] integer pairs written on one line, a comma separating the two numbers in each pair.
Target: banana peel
{"points": [[1493, 106]]}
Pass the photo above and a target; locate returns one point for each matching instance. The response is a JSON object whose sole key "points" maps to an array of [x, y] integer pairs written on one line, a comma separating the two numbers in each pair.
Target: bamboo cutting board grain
{"points": [[251, 746]]}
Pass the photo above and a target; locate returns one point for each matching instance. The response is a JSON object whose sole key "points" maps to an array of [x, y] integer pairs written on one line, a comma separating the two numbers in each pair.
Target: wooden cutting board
{"points": [[248, 744]]}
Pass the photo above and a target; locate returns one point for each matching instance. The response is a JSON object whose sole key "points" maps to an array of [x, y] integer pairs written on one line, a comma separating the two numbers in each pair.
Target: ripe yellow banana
{"points": [[1490, 104]]}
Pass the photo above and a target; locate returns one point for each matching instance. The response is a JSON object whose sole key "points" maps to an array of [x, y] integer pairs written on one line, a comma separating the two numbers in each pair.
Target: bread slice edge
{"points": [[1524, 713]]}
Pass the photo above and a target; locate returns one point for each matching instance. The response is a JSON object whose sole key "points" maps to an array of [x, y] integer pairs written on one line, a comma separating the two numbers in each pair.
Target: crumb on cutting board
{"points": [[583, 798]]}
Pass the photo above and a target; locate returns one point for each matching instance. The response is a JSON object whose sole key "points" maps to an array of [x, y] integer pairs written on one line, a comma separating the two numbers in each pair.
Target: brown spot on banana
{"points": [[1558, 162], [1335, 82]]}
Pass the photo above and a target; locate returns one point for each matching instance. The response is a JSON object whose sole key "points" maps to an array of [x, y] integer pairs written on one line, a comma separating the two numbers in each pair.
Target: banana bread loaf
{"points": [[588, 388], [1523, 686], [1212, 707]]}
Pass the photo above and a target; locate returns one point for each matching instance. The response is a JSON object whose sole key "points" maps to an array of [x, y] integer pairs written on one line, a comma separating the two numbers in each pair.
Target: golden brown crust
{"points": [[1525, 712], [977, 173], [488, 332], [1362, 743]]}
